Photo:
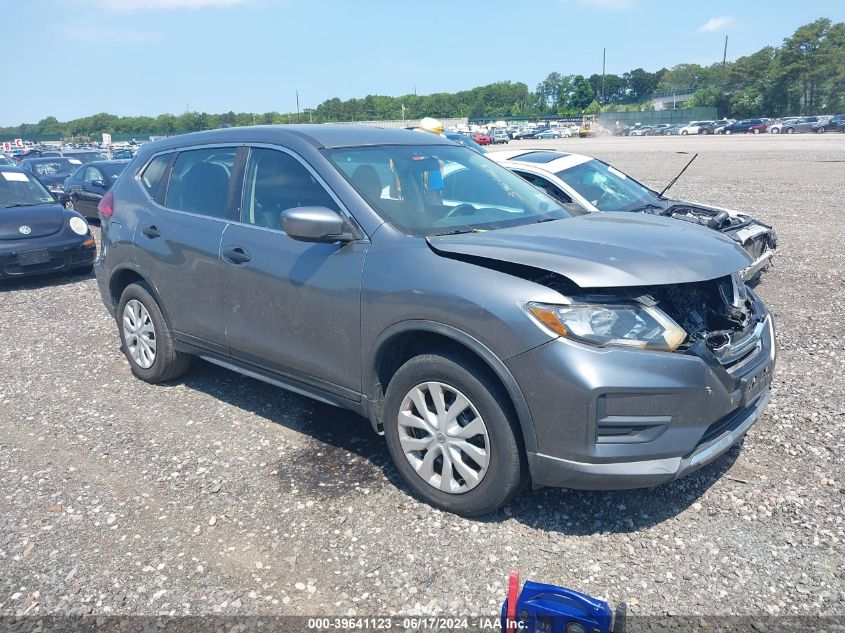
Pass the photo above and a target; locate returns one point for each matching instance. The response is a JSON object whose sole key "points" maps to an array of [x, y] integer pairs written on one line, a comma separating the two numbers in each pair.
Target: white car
{"points": [[591, 185], [692, 127]]}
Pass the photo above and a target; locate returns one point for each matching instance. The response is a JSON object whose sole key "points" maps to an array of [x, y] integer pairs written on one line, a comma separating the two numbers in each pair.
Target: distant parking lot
{"points": [[218, 494]]}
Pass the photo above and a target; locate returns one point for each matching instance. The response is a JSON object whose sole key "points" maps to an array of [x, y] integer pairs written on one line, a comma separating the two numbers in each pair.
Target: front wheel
{"points": [[452, 435], [146, 339], [774, 130], [819, 130], [684, 132], [790, 130], [756, 130], [728, 131]]}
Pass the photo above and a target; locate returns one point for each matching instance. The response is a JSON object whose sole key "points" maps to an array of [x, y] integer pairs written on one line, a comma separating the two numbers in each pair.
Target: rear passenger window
{"points": [[199, 182], [151, 176], [275, 182]]}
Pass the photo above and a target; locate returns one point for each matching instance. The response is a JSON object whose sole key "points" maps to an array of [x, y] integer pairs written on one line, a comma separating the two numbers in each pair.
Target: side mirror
{"points": [[98, 183], [316, 224]]}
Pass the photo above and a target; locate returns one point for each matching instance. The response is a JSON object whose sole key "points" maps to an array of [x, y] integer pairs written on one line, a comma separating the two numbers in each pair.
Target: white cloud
{"points": [[606, 5], [716, 24], [128, 6]]}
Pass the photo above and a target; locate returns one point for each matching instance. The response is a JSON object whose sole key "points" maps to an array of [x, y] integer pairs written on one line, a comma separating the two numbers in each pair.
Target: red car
{"points": [[482, 139]]}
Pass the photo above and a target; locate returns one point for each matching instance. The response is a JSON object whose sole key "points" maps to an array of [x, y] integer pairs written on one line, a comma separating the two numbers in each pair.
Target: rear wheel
{"points": [[452, 435], [775, 130], [146, 339], [756, 130], [728, 131], [820, 130], [790, 130]]}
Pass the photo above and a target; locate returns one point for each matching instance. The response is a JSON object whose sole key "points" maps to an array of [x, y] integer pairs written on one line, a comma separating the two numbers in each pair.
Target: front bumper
{"points": [[616, 419], [58, 255]]}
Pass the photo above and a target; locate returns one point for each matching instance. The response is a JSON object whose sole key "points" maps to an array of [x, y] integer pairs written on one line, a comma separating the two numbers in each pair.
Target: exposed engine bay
{"points": [[755, 237], [720, 313]]}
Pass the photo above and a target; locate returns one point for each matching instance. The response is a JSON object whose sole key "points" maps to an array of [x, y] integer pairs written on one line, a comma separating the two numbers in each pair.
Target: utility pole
{"points": [[725, 54], [603, 60], [298, 120]]}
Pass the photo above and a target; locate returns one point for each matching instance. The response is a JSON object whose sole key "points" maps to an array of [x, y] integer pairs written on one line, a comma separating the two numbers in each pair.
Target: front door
{"points": [[292, 307]]}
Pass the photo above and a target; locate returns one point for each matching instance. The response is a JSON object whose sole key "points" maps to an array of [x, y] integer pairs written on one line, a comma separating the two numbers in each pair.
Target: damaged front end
{"points": [[722, 318], [759, 240]]}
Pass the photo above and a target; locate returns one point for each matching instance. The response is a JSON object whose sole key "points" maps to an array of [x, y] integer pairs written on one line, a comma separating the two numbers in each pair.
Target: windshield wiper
{"points": [[24, 204], [465, 229]]}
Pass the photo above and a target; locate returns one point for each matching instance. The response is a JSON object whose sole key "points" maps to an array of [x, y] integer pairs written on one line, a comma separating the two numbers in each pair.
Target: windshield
{"points": [[607, 188], [19, 189], [6, 161], [87, 157], [441, 189], [463, 139], [57, 167]]}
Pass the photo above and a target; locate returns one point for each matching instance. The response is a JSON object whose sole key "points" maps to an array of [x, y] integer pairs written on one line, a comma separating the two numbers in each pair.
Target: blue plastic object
{"points": [[543, 608]]}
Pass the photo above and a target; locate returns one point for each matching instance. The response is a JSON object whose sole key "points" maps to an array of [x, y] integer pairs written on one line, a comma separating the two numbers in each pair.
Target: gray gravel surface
{"points": [[218, 494]]}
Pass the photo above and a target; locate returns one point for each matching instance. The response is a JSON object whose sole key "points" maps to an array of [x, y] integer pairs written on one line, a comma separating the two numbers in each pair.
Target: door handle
{"points": [[235, 255], [151, 231]]}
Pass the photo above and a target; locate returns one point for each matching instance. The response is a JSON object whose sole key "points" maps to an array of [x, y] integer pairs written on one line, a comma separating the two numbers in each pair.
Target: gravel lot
{"points": [[219, 494]]}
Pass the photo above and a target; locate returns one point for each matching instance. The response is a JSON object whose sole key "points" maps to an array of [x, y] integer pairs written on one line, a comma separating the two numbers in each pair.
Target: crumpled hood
{"points": [[44, 219], [601, 250]]}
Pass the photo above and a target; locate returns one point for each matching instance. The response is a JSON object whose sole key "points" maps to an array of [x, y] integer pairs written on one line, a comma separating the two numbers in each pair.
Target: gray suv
{"points": [[494, 336]]}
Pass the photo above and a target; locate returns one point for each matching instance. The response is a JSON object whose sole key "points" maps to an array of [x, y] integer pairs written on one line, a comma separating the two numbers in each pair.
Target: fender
{"points": [[498, 367], [123, 266]]}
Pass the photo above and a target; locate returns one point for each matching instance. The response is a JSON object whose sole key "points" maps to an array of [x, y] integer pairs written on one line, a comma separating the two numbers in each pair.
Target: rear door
{"points": [[177, 240], [88, 196], [292, 307]]}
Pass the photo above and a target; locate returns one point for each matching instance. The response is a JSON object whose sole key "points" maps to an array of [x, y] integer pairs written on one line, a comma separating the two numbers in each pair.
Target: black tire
{"points": [[507, 472], [820, 130], [728, 132], [774, 130], [169, 363], [790, 130]]}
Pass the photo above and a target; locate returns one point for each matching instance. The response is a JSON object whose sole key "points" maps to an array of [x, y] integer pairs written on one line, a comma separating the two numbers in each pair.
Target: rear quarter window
{"points": [[153, 172]]}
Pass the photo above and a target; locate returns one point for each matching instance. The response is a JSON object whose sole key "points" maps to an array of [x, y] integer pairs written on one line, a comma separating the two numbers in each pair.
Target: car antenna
{"points": [[675, 179]]}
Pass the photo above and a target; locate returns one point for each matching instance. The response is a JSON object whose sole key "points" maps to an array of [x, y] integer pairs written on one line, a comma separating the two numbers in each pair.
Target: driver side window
{"points": [[275, 182]]}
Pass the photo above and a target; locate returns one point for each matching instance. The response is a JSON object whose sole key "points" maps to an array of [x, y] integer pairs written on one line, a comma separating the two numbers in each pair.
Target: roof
{"points": [[318, 135], [560, 160]]}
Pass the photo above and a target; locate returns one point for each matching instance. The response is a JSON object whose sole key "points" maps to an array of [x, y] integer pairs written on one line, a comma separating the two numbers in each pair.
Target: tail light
{"points": [[106, 206]]}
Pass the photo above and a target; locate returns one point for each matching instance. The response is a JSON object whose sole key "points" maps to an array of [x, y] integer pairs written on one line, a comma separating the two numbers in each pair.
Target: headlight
{"points": [[78, 225], [624, 324]]}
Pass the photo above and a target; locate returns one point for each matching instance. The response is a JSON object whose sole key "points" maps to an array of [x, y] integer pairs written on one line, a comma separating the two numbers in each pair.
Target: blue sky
{"points": [[72, 58]]}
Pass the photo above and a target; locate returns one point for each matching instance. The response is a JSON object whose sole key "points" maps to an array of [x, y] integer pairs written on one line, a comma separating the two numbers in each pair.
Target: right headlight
{"points": [[601, 324]]}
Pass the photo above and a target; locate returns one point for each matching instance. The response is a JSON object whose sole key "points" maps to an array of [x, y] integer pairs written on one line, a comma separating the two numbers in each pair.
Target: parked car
{"points": [[52, 172], [123, 154], [489, 333], [642, 130], [657, 130], [37, 234], [834, 124], [801, 125], [7, 161], [552, 133], [482, 139], [709, 128], [499, 136], [720, 126], [88, 184], [777, 126], [86, 156], [672, 130], [746, 126], [463, 139], [598, 187], [692, 127]]}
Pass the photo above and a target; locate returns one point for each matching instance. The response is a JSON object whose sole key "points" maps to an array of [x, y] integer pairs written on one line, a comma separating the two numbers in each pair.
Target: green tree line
{"points": [[805, 75]]}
